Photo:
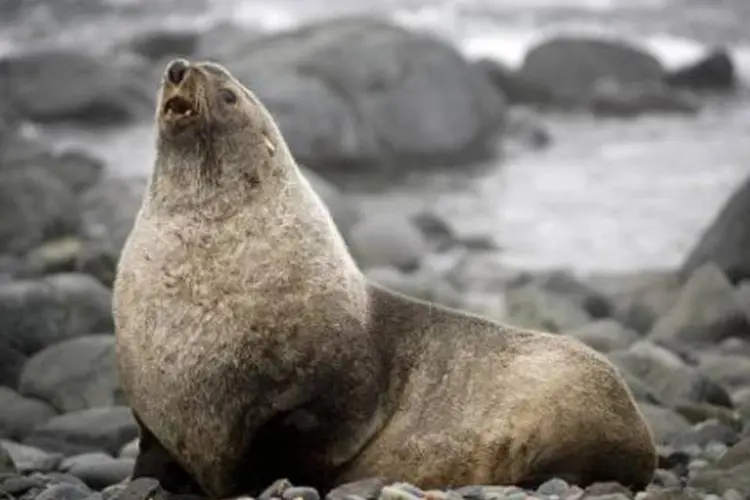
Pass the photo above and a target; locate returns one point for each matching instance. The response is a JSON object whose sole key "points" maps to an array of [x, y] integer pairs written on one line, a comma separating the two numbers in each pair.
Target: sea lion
{"points": [[251, 347]]}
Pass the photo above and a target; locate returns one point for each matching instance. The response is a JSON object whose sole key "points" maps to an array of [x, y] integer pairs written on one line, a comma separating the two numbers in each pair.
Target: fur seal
{"points": [[251, 347]]}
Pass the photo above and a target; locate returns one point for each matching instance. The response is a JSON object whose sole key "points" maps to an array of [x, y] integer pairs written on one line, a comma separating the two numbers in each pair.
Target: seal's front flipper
{"points": [[155, 462]]}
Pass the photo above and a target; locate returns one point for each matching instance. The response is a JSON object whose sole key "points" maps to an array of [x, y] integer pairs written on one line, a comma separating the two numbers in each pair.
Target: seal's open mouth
{"points": [[178, 107]]}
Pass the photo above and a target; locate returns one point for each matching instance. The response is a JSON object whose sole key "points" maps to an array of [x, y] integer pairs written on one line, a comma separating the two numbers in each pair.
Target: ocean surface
{"points": [[608, 195]]}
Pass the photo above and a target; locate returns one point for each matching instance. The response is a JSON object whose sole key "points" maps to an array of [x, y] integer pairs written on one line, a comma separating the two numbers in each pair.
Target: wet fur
{"points": [[251, 347]]}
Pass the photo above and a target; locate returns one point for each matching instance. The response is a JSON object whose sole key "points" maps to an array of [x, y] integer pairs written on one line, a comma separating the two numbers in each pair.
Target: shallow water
{"points": [[607, 195]]}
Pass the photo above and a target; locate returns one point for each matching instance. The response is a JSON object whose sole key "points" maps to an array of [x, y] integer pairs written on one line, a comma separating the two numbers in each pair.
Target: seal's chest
{"points": [[182, 311]]}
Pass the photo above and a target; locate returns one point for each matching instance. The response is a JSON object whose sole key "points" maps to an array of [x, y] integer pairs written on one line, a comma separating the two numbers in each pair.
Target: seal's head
{"points": [[211, 129]]}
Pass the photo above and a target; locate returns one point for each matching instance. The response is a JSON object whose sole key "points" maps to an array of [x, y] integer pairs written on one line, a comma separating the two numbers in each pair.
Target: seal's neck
{"points": [[213, 178]]}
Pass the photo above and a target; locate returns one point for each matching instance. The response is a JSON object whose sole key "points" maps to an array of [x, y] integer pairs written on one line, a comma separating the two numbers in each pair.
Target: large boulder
{"points": [[35, 314], [52, 85], [574, 68], [673, 381], [35, 206], [707, 311], [726, 241], [93, 430], [74, 375], [363, 92], [713, 72]]}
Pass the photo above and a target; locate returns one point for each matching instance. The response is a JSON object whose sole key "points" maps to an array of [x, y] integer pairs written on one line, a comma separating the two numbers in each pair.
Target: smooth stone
{"points": [[20, 415], [368, 489], [276, 489], [30, 459], [99, 470], [96, 429], [64, 492], [554, 486], [300, 493]]}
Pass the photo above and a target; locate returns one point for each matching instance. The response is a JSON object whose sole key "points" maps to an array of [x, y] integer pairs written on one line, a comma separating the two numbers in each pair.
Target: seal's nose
{"points": [[176, 71]]}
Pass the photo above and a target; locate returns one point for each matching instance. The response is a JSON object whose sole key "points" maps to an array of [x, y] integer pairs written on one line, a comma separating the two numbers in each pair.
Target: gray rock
{"points": [[275, 489], [75, 168], [666, 479], [30, 459], [74, 375], [7, 465], [715, 479], [387, 240], [726, 241], [741, 399], [672, 380], [665, 424], [586, 296], [515, 86], [19, 415], [743, 296], [56, 256], [300, 493], [571, 67], [369, 489], [99, 470], [159, 44], [35, 207], [705, 433], [611, 99], [707, 311], [533, 307], [362, 92], [11, 363], [64, 491], [35, 314], [554, 486], [130, 450], [735, 346], [399, 491], [640, 299], [108, 211], [96, 429], [17, 485], [605, 335], [713, 71], [60, 85], [730, 370], [736, 455]]}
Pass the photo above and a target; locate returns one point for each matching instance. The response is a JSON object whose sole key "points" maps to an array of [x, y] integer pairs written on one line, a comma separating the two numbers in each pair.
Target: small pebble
{"points": [[609, 496], [714, 451], [732, 495], [409, 488], [367, 489], [64, 492], [300, 493], [276, 490], [697, 464], [435, 495], [666, 479], [397, 493], [19, 485], [554, 486]]}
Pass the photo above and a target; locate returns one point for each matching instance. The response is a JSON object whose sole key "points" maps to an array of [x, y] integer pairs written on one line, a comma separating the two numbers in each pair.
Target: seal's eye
{"points": [[228, 96]]}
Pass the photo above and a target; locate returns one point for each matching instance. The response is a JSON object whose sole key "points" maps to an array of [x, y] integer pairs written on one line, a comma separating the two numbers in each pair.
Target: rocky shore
{"points": [[360, 97]]}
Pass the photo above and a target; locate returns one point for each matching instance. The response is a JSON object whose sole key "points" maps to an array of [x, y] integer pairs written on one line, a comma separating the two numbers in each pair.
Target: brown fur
{"points": [[251, 347]]}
